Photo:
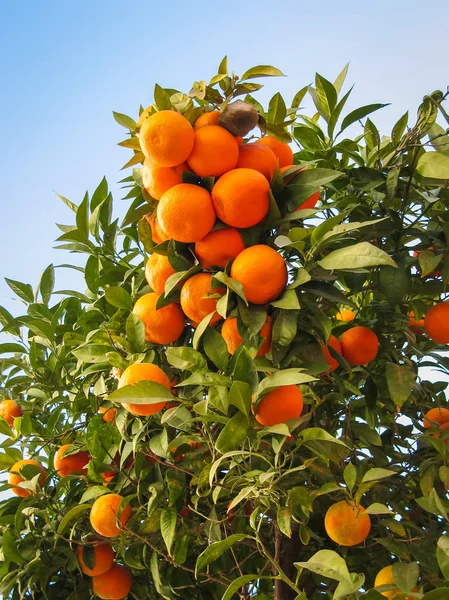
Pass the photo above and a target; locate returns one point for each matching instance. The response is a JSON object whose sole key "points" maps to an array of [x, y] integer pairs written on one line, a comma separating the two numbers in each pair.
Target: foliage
{"points": [[241, 512]]}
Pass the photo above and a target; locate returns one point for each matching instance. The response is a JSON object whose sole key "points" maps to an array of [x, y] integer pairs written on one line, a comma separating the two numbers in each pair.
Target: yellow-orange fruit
{"points": [[144, 372], [258, 157], [233, 339], [186, 213], [345, 315], [167, 138], [215, 152], [103, 559], [412, 322], [157, 180], [162, 326], [9, 410], [347, 523], [15, 478], [282, 151], [104, 513], [436, 323], [219, 247], [115, 584], [262, 272], [157, 270], [73, 463], [359, 345], [241, 198], [386, 577], [436, 416], [279, 406], [193, 301], [108, 413], [207, 119], [335, 344], [158, 235]]}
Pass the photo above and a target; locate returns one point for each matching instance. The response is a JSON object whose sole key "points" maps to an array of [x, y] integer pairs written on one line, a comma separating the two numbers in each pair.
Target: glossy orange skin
{"points": [[279, 406], [233, 339], [103, 515], [436, 416], [9, 410], [14, 478], [207, 119], [219, 247], [158, 235], [347, 524], [359, 345], [167, 138], [115, 584], [193, 302], [108, 413], [104, 558], [157, 180], [258, 157], [436, 323], [262, 272], [144, 372], [162, 326], [282, 151], [74, 463], [345, 315], [157, 270], [335, 344], [385, 577], [215, 152]]}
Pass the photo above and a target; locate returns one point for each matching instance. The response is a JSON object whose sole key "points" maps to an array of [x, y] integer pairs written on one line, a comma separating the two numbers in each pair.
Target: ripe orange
{"points": [[162, 326], [215, 152], [193, 301], [157, 271], [335, 344], [157, 233], [9, 410], [15, 478], [435, 417], [157, 180], [262, 272], [258, 157], [103, 559], [347, 523], [239, 140], [281, 405], [167, 138], [144, 372], [436, 323], [108, 413], [115, 584], [103, 515], [345, 315], [412, 322], [241, 197], [186, 213], [233, 339], [218, 247], [73, 463], [208, 118], [282, 151], [359, 345], [386, 577]]}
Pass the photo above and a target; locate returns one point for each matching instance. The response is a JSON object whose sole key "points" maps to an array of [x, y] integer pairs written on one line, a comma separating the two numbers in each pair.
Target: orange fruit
{"points": [[215, 152], [115, 584], [386, 577], [15, 478], [157, 270], [233, 339], [186, 213], [103, 515], [157, 233], [218, 247], [281, 405], [103, 559], [412, 322], [108, 413], [144, 372], [436, 323], [239, 140], [162, 326], [347, 524], [9, 410], [262, 272], [282, 151], [241, 197], [359, 345], [193, 301], [435, 417], [157, 180], [208, 118], [345, 315], [167, 138], [258, 157], [73, 463], [335, 344]]}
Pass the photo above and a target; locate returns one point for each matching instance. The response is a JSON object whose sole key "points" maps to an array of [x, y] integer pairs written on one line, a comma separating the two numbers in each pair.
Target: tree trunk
{"points": [[287, 551]]}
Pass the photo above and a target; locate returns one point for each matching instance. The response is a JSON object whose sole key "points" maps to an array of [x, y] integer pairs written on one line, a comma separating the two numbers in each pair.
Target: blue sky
{"points": [[66, 66]]}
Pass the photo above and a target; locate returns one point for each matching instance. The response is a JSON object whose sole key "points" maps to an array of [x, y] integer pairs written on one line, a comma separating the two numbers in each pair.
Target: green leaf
{"points": [[232, 284], [285, 327], [186, 359], [244, 580], [135, 332], [327, 563], [326, 93], [281, 378], [118, 297], [219, 397], [244, 368], [406, 575], [287, 301], [378, 509], [201, 328], [22, 290], [400, 382], [142, 392], [168, 527], [360, 113], [161, 98], [433, 165], [46, 284], [284, 520], [10, 550], [94, 353], [439, 139], [215, 550], [215, 348], [240, 396], [394, 283], [94, 492], [428, 261], [125, 121], [438, 594], [356, 257], [376, 474], [261, 71], [328, 291], [10, 347], [277, 110], [72, 514], [338, 83], [350, 476], [233, 434]]}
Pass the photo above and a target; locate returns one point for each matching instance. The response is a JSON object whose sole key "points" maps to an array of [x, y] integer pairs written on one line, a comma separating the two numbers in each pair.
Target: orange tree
{"points": [[241, 415]]}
